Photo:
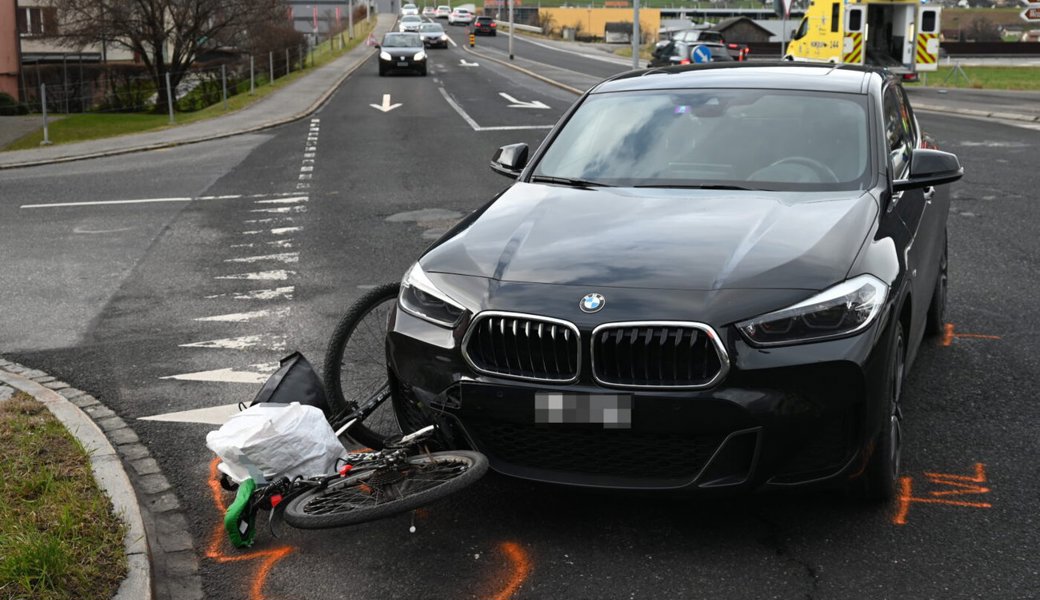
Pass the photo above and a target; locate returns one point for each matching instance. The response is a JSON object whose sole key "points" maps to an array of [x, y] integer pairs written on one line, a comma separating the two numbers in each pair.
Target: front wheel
{"points": [[880, 479], [387, 491], [355, 370]]}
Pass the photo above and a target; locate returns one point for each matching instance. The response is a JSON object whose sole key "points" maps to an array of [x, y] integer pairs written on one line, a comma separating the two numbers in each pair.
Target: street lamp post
{"points": [[635, 34], [511, 27]]}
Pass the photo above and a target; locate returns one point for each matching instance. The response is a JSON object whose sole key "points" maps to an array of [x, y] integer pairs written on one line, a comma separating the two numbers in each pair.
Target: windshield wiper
{"points": [[695, 186], [567, 181]]}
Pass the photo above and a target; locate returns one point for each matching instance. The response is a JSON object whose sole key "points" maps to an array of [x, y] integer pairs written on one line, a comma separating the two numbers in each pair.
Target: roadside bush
{"points": [[10, 107]]}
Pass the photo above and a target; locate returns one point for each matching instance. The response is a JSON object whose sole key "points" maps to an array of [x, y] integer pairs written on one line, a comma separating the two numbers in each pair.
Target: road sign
{"points": [[1031, 13], [701, 54]]}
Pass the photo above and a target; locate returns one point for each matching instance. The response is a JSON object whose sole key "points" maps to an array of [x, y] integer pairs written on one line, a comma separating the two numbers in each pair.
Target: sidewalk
{"points": [[295, 101]]}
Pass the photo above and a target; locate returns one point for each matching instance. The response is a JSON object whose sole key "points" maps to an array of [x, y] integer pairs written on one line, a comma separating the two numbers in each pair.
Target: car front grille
{"points": [[657, 355], [524, 347], [594, 451]]}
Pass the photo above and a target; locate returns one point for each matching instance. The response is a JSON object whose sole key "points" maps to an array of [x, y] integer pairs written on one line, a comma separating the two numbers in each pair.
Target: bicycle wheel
{"points": [[385, 492], [355, 365]]}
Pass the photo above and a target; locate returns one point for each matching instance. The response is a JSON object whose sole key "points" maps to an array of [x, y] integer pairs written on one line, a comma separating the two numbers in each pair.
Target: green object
{"points": [[240, 519]]}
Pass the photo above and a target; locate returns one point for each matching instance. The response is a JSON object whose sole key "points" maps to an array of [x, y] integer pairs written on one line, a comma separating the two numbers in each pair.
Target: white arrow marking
{"points": [[216, 415], [295, 200], [521, 104], [463, 63], [386, 107], [255, 374]]}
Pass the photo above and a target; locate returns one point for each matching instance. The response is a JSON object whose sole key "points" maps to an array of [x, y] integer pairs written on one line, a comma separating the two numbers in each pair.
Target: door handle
{"points": [[929, 192]]}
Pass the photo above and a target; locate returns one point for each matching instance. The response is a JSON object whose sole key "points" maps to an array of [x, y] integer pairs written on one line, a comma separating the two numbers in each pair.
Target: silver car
{"points": [[410, 23], [433, 35]]}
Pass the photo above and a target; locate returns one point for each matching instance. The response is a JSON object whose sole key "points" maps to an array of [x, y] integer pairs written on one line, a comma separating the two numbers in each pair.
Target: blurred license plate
{"points": [[613, 411], [402, 63]]}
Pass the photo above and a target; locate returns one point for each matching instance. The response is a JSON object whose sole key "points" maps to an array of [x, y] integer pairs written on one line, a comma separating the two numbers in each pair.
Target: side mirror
{"points": [[928, 168], [377, 45], [510, 160]]}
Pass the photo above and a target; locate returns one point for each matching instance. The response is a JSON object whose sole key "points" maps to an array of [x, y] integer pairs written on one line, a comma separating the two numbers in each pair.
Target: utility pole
{"points": [[635, 34], [511, 27]]}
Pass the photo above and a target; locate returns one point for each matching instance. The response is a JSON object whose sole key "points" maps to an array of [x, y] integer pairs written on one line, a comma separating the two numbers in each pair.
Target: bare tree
{"points": [[166, 35]]}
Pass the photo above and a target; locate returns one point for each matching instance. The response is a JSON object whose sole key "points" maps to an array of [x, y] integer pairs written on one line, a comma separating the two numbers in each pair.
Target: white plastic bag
{"points": [[275, 440]]}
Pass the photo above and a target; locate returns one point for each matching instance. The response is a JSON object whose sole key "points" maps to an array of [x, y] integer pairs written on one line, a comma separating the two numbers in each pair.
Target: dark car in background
{"points": [[711, 279], [484, 26], [681, 53], [402, 52], [433, 35]]}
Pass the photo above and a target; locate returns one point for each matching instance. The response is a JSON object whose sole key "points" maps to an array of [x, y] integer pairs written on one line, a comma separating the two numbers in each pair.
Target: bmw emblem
{"points": [[592, 303]]}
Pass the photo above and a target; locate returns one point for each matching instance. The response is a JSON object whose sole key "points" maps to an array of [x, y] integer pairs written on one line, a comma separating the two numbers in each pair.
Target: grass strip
{"points": [[988, 78], [93, 126], [60, 539]]}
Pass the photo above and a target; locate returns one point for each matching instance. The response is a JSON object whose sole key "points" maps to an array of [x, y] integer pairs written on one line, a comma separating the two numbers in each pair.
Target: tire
{"points": [[353, 500], [880, 478], [935, 322], [423, 72], [355, 366], [382, 73]]}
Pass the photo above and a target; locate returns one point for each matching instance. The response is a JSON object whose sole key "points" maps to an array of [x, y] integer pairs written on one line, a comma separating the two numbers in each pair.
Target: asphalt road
{"points": [[295, 223]]}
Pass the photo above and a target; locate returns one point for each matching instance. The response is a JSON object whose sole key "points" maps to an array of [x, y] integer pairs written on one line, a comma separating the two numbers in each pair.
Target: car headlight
{"points": [[384, 55], [838, 311], [444, 36], [421, 298], [420, 55]]}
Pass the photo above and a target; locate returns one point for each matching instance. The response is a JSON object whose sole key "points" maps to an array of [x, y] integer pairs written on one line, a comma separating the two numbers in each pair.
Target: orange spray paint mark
{"points": [[520, 568], [215, 551], [956, 485], [949, 335]]}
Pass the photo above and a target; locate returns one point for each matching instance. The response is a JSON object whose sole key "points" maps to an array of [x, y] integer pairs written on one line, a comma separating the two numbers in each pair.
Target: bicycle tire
{"points": [[361, 367], [351, 500]]}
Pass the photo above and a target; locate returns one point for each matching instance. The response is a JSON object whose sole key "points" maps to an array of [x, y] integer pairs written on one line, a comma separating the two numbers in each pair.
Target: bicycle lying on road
{"points": [[400, 474]]}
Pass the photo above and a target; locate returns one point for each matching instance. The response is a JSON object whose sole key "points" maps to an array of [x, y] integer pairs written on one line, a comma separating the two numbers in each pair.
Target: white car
{"points": [[410, 23], [409, 9], [442, 12], [428, 11], [460, 16]]}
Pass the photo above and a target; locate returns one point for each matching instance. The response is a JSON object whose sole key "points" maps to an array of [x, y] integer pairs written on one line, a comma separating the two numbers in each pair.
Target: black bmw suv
{"points": [[710, 278]]}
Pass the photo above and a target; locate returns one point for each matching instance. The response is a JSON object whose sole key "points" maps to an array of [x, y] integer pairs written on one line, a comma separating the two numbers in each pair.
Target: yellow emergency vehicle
{"points": [[902, 35]]}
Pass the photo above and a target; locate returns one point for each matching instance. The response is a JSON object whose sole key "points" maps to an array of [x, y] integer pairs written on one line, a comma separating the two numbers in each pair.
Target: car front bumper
{"points": [[782, 417]]}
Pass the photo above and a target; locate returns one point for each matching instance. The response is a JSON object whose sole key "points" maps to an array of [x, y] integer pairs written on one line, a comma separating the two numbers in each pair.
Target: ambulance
{"points": [[901, 35]]}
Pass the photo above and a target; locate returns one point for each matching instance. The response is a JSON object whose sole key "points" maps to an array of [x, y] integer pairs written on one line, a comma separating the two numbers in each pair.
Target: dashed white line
{"points": [[285, 257], [246, 316], [285, 293], [274, 275]]}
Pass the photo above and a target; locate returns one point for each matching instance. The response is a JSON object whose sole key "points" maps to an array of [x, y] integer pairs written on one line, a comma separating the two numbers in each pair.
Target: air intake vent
{"points": [[524, 347], [658, 355]]}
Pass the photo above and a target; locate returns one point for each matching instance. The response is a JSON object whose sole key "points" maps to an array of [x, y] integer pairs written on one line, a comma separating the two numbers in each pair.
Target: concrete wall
{"points": [[8, 49], [594, 20]]}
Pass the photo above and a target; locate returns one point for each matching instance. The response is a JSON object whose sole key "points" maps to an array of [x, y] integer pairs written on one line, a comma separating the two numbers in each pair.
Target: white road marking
{"points": [[386, 106], [285, 230], [276, 343], [285, 257], [172, 199], [283, 209], [98, 231], [293, 200], [463, 63], [306, 169], [214, 415], [252, 232], [522, 103], [476, 126], [268, 294], [246, 316], [452, 42], [251, 374], [276, 275]]}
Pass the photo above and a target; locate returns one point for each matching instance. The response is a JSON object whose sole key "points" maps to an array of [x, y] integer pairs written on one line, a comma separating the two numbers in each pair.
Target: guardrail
{"points": [[1009, 49], [520, 27]]}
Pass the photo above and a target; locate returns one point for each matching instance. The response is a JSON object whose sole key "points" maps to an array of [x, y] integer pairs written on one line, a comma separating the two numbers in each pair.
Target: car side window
{"points": [[898, 131]]}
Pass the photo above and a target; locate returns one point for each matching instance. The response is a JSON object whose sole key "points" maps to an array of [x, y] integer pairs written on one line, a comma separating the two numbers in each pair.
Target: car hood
{"points": [[666, 239]]}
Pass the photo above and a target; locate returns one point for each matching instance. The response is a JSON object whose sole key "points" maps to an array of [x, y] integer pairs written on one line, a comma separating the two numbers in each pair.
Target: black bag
{"points": [[294, 381]]}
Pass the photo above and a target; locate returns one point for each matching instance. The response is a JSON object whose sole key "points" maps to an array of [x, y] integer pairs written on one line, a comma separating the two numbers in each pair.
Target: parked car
{"points": [[409, 9], [402, 52], [460, 16], [700, 36], [410, 23], [429, 12], [681, 53], [713, 280], [442, 12], [433, 35], [484, 26]]}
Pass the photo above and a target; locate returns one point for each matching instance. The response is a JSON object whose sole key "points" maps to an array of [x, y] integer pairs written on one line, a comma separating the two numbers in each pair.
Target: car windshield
{"points": [[411, 19], [401, 40], [431, 28], [728, 138]]}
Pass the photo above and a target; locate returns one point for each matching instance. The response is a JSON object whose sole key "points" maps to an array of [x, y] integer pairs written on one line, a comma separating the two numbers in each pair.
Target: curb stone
{"points": [[163, 570]]}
